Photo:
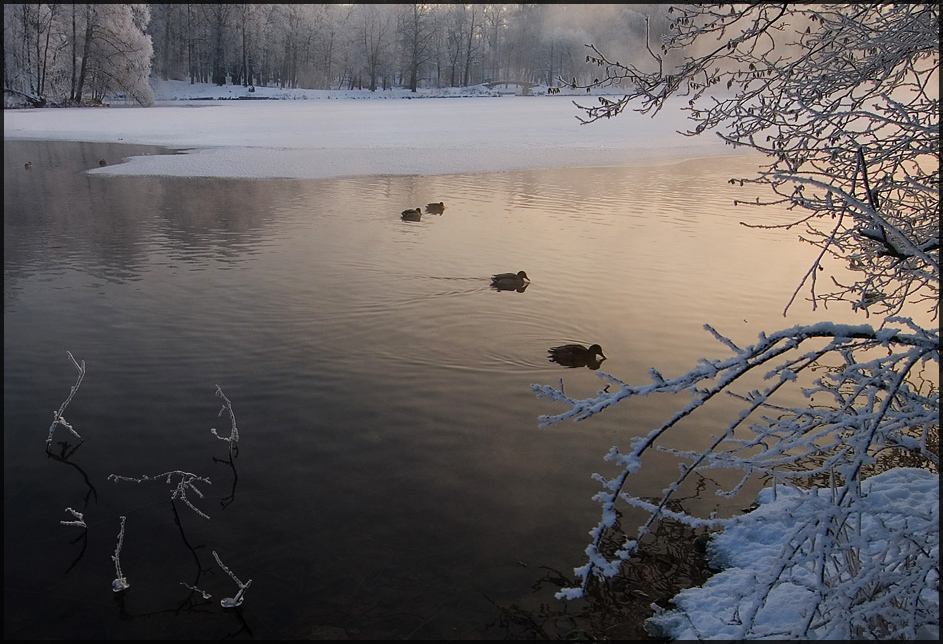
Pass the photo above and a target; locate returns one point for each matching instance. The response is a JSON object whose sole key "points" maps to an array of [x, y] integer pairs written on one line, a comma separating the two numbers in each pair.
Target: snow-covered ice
{"points": [[322, 133]]}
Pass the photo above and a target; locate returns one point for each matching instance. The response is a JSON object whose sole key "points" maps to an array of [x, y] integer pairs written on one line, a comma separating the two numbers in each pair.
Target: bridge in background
{"points": [[525, 86]]}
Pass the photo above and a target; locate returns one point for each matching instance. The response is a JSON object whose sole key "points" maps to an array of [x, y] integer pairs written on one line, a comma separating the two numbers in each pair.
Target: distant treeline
{"points": [[81, 53]]}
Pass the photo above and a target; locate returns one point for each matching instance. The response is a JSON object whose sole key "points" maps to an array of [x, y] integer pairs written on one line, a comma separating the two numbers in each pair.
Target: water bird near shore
{"points": [[510, 281], [576, 355], [102, 162], [413, 214], [435, 208], [28, 165]]}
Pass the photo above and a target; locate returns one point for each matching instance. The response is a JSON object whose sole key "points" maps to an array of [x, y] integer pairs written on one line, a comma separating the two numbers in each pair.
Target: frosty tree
{"points": [[116, 52], [77, 52], [843, 101]]}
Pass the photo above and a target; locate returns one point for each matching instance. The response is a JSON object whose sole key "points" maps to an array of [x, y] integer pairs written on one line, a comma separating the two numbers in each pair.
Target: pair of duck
{"points": [[415, 214], [568, 355], [101, 162]]}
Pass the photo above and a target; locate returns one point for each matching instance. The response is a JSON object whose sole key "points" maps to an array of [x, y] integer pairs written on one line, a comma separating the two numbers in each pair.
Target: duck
{"points": [[412, 214], [435, 208], [510, 281], [576, 355], [102, 162], [28, 165]]}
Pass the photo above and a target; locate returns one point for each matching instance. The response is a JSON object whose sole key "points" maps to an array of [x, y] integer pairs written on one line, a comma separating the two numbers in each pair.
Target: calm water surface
{"points": [[391, 478]]}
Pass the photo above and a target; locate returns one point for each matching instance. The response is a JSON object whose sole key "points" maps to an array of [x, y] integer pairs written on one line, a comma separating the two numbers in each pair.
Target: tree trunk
{"points": [[468, 50], [74, 43], [86, 48]]}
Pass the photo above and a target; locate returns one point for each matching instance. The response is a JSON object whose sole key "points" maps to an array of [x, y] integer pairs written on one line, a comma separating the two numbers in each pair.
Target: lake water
{"points": [[391, 479]]}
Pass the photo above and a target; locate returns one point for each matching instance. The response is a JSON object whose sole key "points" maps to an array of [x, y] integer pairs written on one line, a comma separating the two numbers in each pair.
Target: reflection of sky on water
{"points": [[390, 452]]}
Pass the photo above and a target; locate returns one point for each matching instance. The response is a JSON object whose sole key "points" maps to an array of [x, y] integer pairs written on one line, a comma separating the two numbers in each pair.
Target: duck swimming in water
{"points": [[435, 208], [413, 214], [576, 355], [510, 281]]}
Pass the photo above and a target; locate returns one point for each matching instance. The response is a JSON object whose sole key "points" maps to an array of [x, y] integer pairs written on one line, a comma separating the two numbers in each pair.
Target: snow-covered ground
{"points": [[748, 552], [325, 133], [319, 134]]}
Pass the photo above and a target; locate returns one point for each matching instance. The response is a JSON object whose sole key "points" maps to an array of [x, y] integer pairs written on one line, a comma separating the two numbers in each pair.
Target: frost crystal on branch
{"points": [[80, 519], [180, 491], [205, 594], [233, 437], [232, 602], [120, 583], [58, 418]]}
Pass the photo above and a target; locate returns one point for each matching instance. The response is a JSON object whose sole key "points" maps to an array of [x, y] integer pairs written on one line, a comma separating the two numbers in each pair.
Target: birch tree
{"points": [[843, 101]]}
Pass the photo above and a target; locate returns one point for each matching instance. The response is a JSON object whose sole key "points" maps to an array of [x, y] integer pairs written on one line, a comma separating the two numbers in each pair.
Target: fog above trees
{"points": [[377, 46], [84, 52]]}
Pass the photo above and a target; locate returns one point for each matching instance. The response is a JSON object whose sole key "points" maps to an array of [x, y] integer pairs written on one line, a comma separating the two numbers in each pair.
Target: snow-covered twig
{"points": [[186, 482], [57, 417], [120, 583], [232, 602], [233, 437], [873, 407], [80, 519], [205, 594]]}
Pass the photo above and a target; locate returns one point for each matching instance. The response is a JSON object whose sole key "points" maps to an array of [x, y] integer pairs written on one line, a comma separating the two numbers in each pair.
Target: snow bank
{"points": [[897, 506]]}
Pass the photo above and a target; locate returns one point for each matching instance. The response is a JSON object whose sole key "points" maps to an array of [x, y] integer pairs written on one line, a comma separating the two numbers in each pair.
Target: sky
{"points": [[331, 133], [322, 134]]}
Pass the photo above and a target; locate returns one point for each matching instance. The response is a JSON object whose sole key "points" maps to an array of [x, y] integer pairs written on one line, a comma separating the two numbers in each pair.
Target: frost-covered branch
{"points": [[186, 482], [120, 583], [233, 437], [232, 602], [841, 99], [872, 407], [58, 418], [79, 519], [205, 594]]}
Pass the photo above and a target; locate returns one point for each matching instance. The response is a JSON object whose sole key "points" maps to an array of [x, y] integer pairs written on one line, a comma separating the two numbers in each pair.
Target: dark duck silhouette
{"points": [[413, 214], [435, 208], [510, 281], [576, 355], [28, 165], [102, 162]]}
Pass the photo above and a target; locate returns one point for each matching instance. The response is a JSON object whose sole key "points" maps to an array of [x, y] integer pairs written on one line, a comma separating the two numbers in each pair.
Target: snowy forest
{"points": [[81, 53]]}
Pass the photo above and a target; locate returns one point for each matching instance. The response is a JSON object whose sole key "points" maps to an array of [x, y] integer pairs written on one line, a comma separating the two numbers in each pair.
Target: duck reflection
{"points": [[576, 355], [510, 281]]}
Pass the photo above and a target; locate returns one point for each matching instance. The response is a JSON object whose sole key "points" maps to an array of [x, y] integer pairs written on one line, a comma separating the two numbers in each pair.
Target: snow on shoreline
{"points": [[332, 133], [747, 550]]}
